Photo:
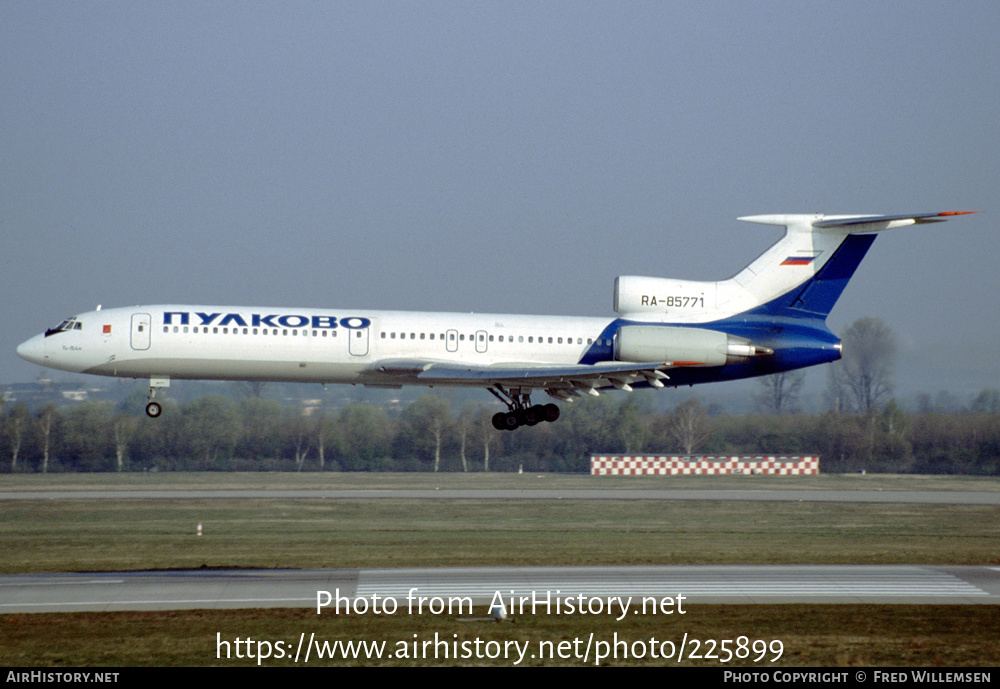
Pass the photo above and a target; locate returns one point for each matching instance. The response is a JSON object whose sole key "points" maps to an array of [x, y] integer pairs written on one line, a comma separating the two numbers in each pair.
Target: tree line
{"points": [[216, 433]]}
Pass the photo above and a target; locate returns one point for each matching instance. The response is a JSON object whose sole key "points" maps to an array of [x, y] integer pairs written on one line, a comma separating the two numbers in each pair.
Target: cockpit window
{"points": [[68, 324]]}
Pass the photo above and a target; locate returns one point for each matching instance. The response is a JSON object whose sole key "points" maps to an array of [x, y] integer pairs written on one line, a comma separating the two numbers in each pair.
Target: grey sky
{"points": [[502, 156]]}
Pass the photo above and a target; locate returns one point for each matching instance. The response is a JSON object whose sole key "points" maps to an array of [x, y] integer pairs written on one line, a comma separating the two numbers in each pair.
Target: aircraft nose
{"points": [[33, 350]]}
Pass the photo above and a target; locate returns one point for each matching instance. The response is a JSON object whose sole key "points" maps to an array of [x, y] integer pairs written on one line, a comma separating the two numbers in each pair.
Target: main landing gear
{"points": [[522, 411]]}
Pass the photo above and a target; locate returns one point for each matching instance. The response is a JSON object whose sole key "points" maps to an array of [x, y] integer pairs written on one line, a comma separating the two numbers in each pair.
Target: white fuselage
{"points": [[304, 345]]}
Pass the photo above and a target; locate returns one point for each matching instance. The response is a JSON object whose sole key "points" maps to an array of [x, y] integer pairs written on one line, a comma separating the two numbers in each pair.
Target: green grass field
{"points": [[94, 535], [528, 481]]}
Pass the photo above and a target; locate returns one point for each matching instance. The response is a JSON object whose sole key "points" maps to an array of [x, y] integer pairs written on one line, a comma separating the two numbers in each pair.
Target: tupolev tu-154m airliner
{"points": [[769, 318]]}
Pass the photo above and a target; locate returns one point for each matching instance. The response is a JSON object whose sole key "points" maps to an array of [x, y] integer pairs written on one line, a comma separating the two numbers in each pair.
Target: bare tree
{"points": [[465, 424], [124, 427], [687, 425], [836, 393], [300, 429], [777, 393], [327, 433], [429, 415], [16, 423], [253, 389], [987, 402], [486, 433], [863, 378], [45, 418]]}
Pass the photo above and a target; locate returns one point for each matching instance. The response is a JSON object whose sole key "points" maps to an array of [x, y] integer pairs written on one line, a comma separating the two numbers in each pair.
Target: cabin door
{"points": [[357, 342], [141, 325]]}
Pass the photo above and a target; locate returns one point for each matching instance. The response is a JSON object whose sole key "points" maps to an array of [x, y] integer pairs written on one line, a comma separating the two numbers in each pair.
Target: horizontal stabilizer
{"points": [[856, 223], [888, 220]]}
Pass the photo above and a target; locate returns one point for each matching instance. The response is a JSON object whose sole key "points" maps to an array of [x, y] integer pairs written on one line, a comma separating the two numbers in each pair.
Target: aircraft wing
{"points": [[561, 381]]}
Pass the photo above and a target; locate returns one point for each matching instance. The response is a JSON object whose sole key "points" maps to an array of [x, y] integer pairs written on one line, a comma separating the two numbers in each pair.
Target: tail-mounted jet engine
{"points": [[683, 346]]}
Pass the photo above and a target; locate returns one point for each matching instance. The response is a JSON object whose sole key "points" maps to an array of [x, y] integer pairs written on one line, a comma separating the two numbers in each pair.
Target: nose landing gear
{"points": [[154, 409]]}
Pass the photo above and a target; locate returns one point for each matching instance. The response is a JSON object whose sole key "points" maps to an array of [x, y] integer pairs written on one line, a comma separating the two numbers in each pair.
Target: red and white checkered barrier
{"points": [[627, 465]]}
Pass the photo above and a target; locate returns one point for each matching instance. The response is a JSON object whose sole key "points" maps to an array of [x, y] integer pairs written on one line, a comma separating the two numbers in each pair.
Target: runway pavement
{"points": [[683, 585]]}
